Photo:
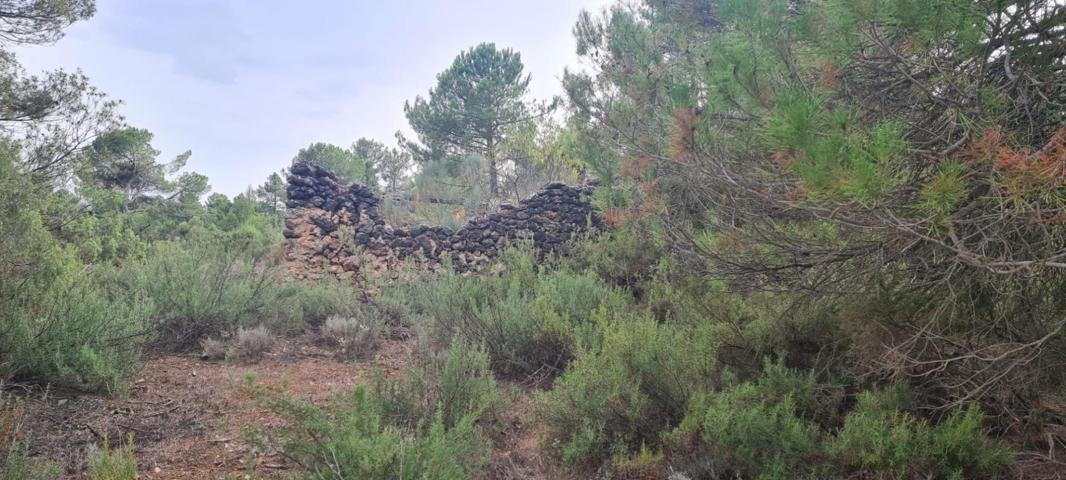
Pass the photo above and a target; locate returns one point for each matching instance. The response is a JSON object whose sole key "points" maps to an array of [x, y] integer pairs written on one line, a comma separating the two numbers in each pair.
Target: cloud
{"points": [[202, 38]]}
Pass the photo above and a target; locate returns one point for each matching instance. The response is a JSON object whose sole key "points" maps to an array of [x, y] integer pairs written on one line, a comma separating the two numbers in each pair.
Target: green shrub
{"points": [[298, 304], [620, 396], [357, 442], [626, 257], [643, 464], [199, 290], [426, 426], [465, 384], [62, 322], [17, 465], [879, 436], [959, 445], [204, 288], [15, 462], [111, 464], [528, 318], [752, 434], [360, 330], [81, 331], [454, 385]]}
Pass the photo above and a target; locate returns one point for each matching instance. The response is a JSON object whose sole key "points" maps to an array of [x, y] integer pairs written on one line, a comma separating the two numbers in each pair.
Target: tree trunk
{"points": [[494, 188], [274, 209]]}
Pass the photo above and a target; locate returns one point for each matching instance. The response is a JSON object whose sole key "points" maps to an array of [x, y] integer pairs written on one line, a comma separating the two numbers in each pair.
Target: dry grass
{"points": [[252, 343], [213, 349], [11, 415], [356, 338]]}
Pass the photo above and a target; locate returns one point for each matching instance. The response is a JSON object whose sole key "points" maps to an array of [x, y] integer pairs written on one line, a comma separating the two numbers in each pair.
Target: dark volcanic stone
{"points": [[327, 225], [549, 217], [300, 169]]}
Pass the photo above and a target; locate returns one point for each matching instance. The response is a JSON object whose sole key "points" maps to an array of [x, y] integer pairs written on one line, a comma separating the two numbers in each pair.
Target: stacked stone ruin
{"points": [[338, 228]]}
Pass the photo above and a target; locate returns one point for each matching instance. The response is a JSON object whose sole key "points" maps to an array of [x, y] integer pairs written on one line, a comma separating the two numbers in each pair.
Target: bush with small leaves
{"points": [[112, 464], [619, 397], [455, 383], [200, 289], [87, 333], [213, 349], [429, 425], [752, 435], [529, 318], [357, 337], [643, 464], [879, 436], [252, 343], [16, 464]]}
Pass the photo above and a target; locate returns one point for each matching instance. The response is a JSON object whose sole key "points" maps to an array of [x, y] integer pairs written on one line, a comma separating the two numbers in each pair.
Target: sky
{"points": [[245, 84]]}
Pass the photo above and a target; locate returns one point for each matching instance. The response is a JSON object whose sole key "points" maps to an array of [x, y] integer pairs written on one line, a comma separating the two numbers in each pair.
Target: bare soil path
{"points": [[186, 414]]}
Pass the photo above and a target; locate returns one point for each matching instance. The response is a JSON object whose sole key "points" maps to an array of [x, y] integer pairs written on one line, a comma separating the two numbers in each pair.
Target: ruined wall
{"points": [[326, 218]]}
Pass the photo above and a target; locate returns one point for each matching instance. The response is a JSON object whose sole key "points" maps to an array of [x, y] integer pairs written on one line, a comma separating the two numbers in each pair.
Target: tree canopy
{"points": [[344, 163], [385, 165], [476, 103], [124, 159]]}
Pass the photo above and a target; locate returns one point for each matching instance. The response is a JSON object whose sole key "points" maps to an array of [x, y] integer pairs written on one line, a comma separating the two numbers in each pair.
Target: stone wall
{"points": [[326, 218]]}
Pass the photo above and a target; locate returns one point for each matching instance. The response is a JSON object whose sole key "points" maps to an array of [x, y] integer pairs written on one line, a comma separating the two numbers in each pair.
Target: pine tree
{"points": [[476, 103], [271, 196], [344, 163], [125, 160]]}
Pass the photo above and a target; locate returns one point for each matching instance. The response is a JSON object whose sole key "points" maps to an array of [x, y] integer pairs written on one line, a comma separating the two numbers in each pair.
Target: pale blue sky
{"points": [[244, 84]]}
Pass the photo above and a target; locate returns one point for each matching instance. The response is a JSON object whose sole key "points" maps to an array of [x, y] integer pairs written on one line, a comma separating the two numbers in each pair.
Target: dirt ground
{"points": [[186, 414]]}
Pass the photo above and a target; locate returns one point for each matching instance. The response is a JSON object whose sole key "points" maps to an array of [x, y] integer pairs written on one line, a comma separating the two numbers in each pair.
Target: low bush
{"points": [[759, 430], [454, 384], [357, 337], [111, 464], [641, 465], [619, 397], [752, 434], [879, 436], [16, 464], [651, 394], [80, 330], [213, 349], [201, 289], [62, 321], [425, 426], [529, 318], [297, 305], [465, 385], [252, 343], [625, 257], [355, 441]]}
